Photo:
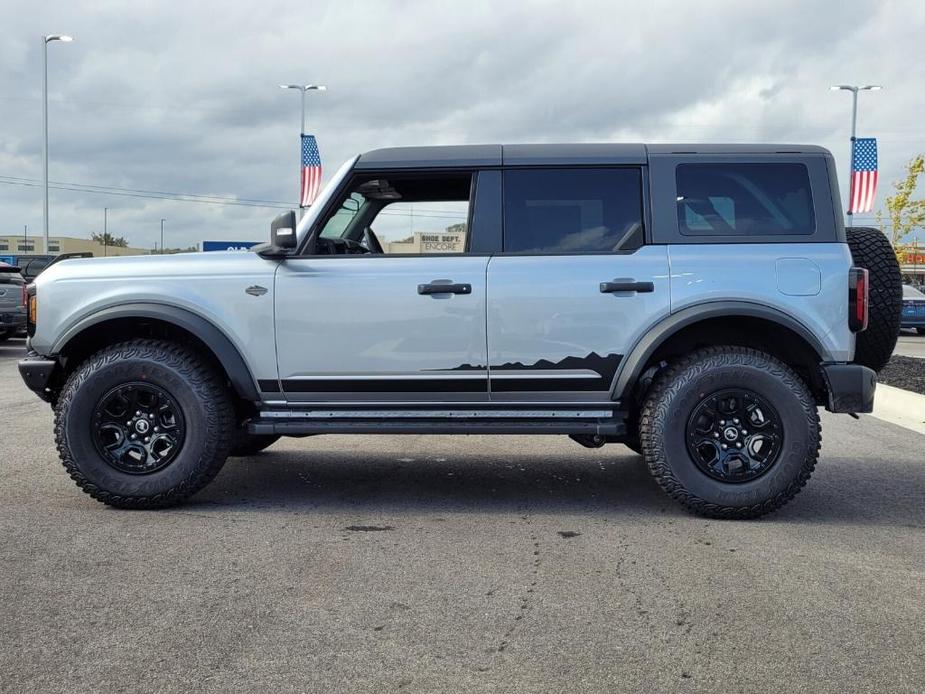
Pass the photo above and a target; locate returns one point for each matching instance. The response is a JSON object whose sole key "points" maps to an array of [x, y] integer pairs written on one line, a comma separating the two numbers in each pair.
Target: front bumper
{"points": [[851, 387], [37, 372]]}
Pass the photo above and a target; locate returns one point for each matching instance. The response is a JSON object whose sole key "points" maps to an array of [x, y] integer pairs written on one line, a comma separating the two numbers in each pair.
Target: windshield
{"points": [[312, 213]]}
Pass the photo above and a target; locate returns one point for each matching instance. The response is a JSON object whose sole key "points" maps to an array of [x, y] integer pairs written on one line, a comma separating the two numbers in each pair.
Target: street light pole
{"points": [[45, 41], [162, 235], [302, 89], [854, 89], [105, 231]]}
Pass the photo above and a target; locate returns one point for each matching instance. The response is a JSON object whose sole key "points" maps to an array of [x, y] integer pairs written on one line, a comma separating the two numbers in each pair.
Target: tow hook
{"points": [[588, 440]]}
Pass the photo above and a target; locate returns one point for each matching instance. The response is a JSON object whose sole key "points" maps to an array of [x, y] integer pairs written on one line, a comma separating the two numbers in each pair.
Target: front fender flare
{"points": [[632, 366], [227, 354]]}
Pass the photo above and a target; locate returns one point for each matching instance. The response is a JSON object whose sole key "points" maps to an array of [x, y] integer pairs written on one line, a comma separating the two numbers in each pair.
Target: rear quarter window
{"points": [[744, 199]]}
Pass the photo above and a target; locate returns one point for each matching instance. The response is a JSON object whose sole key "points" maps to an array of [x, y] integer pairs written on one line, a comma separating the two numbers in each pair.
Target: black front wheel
{"points": [[730, 432], [144, 424]]}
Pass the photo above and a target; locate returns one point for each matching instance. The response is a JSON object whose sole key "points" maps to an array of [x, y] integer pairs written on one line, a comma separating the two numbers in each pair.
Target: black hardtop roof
{"points": [[607, 153]]}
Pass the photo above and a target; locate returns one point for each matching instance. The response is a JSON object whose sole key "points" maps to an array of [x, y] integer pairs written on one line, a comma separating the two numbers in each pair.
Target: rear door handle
{"points": [[626, 286], [444, 287]]}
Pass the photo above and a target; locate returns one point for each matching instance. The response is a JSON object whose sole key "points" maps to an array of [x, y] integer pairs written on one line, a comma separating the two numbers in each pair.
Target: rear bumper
{"points": [[12, 321], [36, 373], [851, 387]]}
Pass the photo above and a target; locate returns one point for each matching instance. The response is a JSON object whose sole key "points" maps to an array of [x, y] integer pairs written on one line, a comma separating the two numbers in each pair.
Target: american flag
{"points": [[311, 171], [863, 175]]}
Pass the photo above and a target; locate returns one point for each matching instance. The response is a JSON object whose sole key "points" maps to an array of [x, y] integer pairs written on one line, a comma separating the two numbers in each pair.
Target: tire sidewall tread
{"points": [[663, 425], [198, 389]]}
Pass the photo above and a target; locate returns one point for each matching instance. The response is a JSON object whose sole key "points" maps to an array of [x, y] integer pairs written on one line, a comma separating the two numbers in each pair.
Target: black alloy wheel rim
{"points": [[138, 428], [734, 435]]}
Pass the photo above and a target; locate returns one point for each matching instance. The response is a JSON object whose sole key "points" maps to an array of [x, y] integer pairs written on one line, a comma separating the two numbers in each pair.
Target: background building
{"points": [[16, 245]]}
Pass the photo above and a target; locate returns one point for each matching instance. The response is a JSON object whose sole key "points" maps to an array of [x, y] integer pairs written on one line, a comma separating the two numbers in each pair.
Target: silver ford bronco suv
{"points": [[696, 303]]}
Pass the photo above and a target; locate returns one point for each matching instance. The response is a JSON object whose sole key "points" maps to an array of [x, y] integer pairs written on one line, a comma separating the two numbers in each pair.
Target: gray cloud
{"points": [[182, 97]]}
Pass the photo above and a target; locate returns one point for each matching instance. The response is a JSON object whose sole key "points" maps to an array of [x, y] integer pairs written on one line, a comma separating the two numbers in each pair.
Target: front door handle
{"points": [[622, 285], [444, 287]]}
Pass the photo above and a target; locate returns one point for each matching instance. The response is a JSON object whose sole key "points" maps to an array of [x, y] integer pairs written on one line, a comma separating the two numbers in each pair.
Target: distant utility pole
{"points": [[105, 231], [25, 236], [854, 89], [162, 234], [45, 41]]}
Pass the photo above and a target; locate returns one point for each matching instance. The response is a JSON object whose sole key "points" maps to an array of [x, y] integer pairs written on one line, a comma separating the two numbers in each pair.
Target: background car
{"points": [[913, 309], [12, 302]]}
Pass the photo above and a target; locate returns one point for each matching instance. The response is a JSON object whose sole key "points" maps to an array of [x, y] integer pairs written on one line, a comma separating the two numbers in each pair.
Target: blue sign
{"points": [[8, 259], [228, 245]]}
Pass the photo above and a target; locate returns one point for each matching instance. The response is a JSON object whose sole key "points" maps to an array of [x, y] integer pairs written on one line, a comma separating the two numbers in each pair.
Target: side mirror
{"points": [[282, 231]]}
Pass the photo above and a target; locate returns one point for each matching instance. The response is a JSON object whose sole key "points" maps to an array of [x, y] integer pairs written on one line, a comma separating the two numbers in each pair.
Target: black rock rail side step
{"points": [[296, 422]]}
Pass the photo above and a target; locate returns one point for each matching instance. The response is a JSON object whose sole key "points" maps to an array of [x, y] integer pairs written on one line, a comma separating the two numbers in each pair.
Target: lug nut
{"points": [[735, 421], [150, 416], [722, 422], [744, 433], [148, 439], [715, 434], [725, 446], [156, 429], [134, 437], [137, 413], [738, 444]]}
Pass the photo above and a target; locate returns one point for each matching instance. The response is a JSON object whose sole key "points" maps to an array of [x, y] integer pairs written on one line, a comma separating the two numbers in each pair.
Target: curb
{"points": [[898, 406]]}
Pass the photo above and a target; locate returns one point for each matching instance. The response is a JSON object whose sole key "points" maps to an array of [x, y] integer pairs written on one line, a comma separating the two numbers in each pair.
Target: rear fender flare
{"points": [[632, 366]]}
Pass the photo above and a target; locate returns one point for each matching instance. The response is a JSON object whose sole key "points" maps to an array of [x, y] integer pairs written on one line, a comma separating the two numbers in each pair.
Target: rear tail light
{"points": [[25, 296], [858, 291]]}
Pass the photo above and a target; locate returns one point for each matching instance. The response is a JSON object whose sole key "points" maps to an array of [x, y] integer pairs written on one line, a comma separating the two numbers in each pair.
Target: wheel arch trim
{"points": [[215, 339], [662, 331]]}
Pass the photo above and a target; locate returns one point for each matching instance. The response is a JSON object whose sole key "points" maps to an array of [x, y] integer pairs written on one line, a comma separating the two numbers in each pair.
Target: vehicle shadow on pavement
{"points": [[338, 480], [613, 480]]}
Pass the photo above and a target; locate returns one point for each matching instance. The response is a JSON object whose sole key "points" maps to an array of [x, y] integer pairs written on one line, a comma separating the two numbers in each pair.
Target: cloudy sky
{"points": [[182, 97]]}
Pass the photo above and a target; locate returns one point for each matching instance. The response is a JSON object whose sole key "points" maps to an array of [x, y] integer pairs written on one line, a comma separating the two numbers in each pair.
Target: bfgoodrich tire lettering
{"points": [[678, 391], [193, 383]]}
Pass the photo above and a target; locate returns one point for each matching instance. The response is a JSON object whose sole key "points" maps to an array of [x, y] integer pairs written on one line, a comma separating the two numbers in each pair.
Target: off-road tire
{"points": [[251, 444], [870, 249], [203, 398], [676, 393]]}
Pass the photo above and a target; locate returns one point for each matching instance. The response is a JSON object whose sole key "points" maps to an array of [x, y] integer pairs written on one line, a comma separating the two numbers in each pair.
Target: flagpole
{"points": [[854, 89], [302, 89]]}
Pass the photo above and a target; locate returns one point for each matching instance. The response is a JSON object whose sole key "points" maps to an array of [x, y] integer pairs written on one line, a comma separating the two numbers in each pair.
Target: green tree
{"points": [[906, 213], [108, 239]]}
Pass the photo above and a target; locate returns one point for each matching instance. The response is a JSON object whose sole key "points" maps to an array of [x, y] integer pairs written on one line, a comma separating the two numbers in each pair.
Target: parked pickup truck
{"points": [[12, 302], [697, 303]]}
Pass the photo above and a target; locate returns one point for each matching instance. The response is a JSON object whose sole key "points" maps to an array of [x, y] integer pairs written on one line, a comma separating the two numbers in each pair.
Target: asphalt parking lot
{"points": [[459, 564]]}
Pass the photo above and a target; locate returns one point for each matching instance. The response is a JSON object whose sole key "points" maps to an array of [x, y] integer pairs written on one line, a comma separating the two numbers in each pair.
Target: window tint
{"points": [[572, 210], [744, 199]]}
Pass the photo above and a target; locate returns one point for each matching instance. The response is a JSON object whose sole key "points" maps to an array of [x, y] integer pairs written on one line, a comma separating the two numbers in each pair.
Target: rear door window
{"points": [[566, 211], [744, 199]]}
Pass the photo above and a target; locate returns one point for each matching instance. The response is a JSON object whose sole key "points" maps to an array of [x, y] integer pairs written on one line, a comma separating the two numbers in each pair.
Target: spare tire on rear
{"points": [[871, 250]]}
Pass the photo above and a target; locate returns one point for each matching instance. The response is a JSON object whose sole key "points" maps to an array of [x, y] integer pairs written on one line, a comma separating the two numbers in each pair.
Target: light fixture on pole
{"points": [[302, 88], [854, 89], [45, 41]]}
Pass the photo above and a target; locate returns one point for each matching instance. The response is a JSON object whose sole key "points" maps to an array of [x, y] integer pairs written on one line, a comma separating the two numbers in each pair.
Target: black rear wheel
{"points": [[730, 432]]}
